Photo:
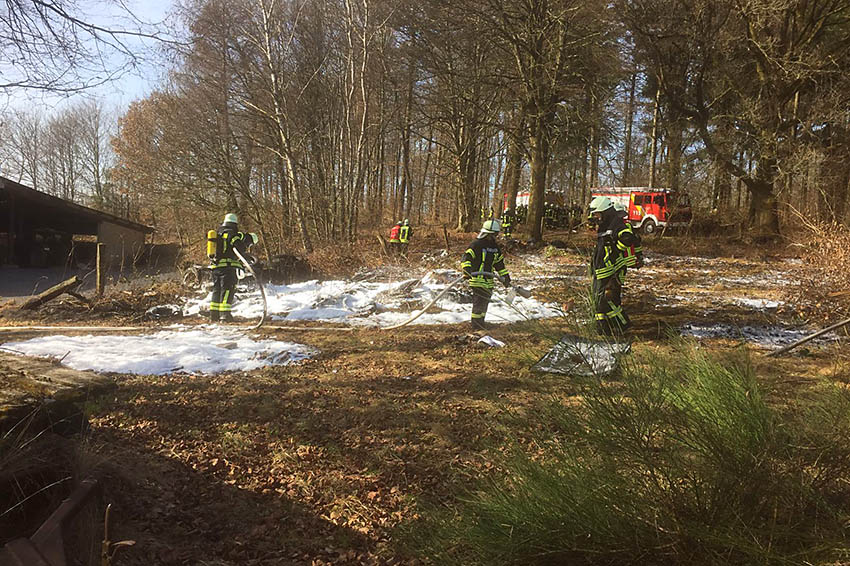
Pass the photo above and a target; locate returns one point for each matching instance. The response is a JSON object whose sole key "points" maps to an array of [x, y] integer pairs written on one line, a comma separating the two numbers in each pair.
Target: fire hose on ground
{"points": [[259, 284], [520, 291]]}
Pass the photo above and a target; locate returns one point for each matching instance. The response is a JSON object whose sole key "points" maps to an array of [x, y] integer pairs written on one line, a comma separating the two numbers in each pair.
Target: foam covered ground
{"points": [[199, 350], [374, 303]]}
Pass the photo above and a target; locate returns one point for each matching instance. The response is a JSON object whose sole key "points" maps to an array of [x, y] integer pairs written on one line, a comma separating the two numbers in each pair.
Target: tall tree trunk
{"points": [[513, 168], [539, 156], [585, 197], [654, 140], [594, 142], [467, 219], [425, 170], [763, 214], [406, 188], [674, 153], [630, 118]]}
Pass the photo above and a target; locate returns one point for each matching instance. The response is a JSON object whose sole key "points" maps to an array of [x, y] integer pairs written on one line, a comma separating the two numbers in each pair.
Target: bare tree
{"points": [[556, 46], [53, 45], [25, 139]]}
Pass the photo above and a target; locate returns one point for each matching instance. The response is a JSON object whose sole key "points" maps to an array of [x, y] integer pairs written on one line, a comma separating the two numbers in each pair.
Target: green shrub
{"points": [[682, 461]]}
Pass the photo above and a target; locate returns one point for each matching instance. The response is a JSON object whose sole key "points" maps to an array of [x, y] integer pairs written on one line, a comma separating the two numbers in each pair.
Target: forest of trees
{"points": [[315, 119]]}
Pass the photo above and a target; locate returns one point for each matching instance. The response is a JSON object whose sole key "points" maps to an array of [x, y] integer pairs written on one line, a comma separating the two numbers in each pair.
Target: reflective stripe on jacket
{"points": [[483, 256], [629, 250], [606, 260], [230, 239]]}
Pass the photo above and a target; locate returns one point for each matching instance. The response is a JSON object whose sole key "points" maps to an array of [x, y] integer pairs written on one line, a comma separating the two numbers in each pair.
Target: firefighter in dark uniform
{"points": [[404, 235], [225, 263], [607, 264], [508, 221], [632, 255], [484, 255]]}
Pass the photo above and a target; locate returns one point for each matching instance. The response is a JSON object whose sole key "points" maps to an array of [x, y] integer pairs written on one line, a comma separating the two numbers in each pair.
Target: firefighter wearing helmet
{"points": [[404, 235], [483, 262], [632, 255], [508, 221], [220, 249], [607, 265], [395, 232]]}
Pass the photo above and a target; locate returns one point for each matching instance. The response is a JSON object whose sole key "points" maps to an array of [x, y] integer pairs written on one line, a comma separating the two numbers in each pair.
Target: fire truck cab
{"points": [[650, 208]]}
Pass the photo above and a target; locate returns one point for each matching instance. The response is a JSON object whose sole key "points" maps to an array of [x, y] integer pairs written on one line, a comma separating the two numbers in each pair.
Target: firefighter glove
{"points": [[507, 280]]}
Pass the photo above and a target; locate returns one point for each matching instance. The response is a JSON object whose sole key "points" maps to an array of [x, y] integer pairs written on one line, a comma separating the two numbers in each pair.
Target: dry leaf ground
{"points": [[319, 463]]}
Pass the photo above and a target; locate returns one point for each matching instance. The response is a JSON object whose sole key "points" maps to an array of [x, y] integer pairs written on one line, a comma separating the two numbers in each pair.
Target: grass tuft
{"points": [[681, 461]]}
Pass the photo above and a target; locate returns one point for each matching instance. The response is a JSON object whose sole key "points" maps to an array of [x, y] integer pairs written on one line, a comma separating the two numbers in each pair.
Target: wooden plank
{"points": [[49, 538], [52, 293], [21, 552]]}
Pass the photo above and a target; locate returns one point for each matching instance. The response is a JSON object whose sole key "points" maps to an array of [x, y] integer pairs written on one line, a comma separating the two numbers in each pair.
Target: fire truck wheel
{"points": [[648, 227]]}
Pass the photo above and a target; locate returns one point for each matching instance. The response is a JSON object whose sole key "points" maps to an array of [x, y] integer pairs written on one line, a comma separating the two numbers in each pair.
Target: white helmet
{"points": [[600, 204], [619, 207], [490, 227], [231, 217]]}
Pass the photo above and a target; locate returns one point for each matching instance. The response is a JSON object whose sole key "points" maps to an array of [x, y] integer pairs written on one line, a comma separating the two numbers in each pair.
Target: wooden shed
{"points": [[39, 230]]}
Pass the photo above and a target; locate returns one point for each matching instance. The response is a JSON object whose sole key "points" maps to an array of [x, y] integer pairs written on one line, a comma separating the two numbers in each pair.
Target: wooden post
{"points": [[12, 255], [100, 268]]}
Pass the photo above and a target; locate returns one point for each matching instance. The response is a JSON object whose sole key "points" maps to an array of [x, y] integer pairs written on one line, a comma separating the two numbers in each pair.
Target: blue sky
{"points": [[130, 86]]}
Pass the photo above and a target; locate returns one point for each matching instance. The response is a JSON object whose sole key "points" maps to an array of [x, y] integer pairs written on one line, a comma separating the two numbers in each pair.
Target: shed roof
{"points": [[63, 214]]}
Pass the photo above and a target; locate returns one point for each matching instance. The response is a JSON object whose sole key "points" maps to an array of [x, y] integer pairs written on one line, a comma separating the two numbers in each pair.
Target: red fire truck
{"points": [[650, 208]]}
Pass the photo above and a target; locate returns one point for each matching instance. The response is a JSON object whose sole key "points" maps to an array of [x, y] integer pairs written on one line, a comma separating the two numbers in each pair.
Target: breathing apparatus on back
{"points": [[215, 240]]}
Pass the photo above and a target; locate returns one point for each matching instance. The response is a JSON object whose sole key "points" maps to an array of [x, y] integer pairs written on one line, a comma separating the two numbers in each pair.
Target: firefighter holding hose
{"points": [[484, 256], [221, 244]]}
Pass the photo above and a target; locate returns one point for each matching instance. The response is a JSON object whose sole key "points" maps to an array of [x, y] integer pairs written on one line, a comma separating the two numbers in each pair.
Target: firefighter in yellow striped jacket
{"points": [[607, 265], [484, 256], [220, 246], [404, 235], [632, 255]]}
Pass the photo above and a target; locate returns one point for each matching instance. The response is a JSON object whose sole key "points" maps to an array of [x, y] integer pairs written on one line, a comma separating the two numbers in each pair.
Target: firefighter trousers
{"points": [[611, 319], [480, 301], [224, 288]]}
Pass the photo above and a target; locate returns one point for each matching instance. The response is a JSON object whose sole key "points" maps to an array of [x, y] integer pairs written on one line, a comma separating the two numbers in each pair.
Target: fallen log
{"points": [[80, 297], [52, 293]]}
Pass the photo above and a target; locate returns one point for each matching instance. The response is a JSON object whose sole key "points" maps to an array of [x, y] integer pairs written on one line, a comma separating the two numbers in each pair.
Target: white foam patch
{"points": [[358, 303], [758, 304], [203, 350]]}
